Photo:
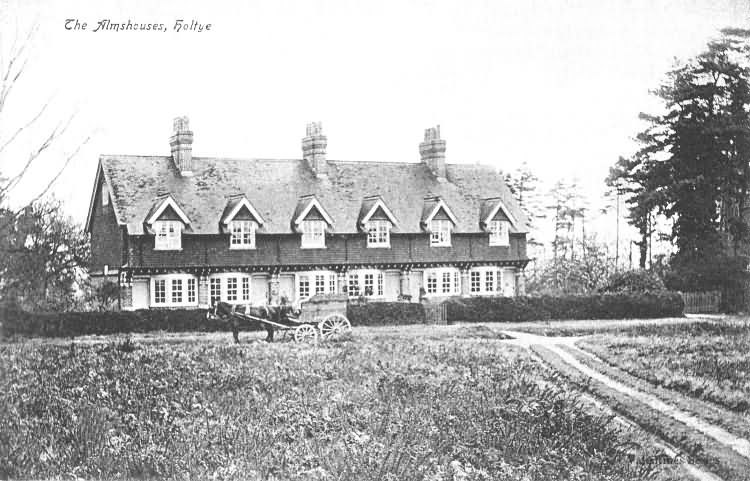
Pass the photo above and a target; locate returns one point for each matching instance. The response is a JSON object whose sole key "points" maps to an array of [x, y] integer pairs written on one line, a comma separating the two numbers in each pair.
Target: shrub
{"points": [[385, 313], [635, 281], [599, 306], [16, 321]]}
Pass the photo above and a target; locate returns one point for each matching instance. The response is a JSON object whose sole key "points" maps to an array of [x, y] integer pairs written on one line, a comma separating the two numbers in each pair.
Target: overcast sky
{"points": [[558, 84]]}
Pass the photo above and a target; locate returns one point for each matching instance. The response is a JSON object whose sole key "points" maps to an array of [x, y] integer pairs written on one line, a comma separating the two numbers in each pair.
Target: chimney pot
{"points": [[314, 149], [181, 143], [432, 151]]}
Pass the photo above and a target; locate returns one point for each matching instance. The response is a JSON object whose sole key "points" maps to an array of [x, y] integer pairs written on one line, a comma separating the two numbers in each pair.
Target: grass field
{"points": [[705, 360], [419, 403]]}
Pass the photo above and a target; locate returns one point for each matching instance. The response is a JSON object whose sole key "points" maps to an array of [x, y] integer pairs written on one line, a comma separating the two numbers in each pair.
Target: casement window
{"points": [[215, 290], [498, 232], [315, 282], [173, 290], [313, 233], [378, 233], [242, 234], [485, 280], [440, 233], [368, 283], [168, 235], [444, 281], [191, 290], [230, 287], [105, 195]]}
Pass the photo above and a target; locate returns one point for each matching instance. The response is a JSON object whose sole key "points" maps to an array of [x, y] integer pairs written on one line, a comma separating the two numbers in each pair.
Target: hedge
{"points": [[68, 324], [598, 306], [385, 313]]}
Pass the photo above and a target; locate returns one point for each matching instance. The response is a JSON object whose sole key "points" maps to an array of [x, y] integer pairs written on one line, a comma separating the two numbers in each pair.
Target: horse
{"points": [[277, 314]]}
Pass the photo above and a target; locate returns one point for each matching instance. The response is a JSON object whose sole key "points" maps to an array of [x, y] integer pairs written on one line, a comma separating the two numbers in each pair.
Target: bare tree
{"points": [[13, 66]]}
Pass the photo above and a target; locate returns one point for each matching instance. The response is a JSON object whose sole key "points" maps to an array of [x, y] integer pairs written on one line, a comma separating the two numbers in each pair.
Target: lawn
{"points": [[705, 360], [419, 403]]}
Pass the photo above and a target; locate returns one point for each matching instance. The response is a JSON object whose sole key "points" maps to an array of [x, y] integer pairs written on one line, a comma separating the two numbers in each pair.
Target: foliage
{"points": [[385, 313], [68, 324], [378, 408], [704, 360], [42, 257], [634, 282], [692, 166], [524, 185], [715, 272], [598, 306], [573, 276], [568, 209]]}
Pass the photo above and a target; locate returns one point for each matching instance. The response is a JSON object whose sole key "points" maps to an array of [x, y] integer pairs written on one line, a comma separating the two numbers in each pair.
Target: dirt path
{"points": [[737, 444]]}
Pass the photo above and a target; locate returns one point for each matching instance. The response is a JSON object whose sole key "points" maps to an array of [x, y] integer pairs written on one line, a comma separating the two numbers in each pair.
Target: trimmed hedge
{"points": [[68, 324], [598, 306], [385, 313]]}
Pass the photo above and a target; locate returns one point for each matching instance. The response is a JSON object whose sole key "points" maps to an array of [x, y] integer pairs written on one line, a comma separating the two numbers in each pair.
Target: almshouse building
{"points": [[181, 231]]}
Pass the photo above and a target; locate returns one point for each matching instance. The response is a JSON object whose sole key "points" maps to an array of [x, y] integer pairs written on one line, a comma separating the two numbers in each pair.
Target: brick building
{"points": [[179, 230]]}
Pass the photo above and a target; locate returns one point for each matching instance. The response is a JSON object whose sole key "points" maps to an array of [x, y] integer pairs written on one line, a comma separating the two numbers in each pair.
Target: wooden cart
{"points": [[320, 318]]}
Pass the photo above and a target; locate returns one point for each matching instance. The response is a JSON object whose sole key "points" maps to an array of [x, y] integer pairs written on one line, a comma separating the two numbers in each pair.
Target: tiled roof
{"points": [[274, 188]]}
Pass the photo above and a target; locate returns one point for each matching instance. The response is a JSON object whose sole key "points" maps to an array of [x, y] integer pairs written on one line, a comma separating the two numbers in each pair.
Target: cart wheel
{"points": [[305, 333], [334, 326]]}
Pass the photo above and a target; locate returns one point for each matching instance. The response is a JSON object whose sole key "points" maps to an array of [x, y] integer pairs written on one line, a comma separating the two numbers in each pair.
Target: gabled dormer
{"points": [[377, 220], [241, 220], [495, 218], [166, 221], [312, 221], [438, 220]]}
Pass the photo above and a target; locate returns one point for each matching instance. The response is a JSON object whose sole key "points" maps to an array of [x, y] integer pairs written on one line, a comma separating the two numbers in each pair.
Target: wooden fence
{"points": [[701, 302]]}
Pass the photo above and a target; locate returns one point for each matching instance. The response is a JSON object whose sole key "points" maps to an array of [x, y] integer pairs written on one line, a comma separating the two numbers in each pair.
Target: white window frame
{"points": [[499, 232], [434, 281], [378, 234], [486, 273], [105, 194], [361, 278], [242, 234], [170, 282], [241, 296], [168, 235], [314, 282], [440, 233], [313, 234]]}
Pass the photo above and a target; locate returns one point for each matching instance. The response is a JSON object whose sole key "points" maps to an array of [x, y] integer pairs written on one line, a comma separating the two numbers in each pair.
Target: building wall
{"points": [[106, 236], [280, 250]]}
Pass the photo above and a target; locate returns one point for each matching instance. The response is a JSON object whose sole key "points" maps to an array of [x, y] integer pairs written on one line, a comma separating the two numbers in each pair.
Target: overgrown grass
{"points": [[706, 360], [385, 407]]}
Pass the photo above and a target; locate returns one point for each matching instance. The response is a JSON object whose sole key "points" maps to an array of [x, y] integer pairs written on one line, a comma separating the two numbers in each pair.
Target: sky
{"points": [[557, 84]]}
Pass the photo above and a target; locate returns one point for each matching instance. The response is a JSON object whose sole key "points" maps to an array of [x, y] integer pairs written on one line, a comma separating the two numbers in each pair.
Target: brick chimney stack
{"points": [[181, 142], [432, 151], [314, 149]]}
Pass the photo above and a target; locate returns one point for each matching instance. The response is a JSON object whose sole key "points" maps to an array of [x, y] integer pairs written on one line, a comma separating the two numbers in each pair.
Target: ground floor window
{"points": [[171, 290], [366, 282], [231, 287], [444, 281], [486, 280], [315, 282]]}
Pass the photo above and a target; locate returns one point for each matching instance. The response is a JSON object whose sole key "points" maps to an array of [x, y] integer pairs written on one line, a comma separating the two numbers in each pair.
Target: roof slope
{"points": [[274, 188]]}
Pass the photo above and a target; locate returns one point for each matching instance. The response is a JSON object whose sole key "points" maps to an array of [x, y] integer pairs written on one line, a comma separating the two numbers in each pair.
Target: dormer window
{"points": [[378, 233], [242, 234], [168, 235], [440, 232], [498, 232], [313, 233]]}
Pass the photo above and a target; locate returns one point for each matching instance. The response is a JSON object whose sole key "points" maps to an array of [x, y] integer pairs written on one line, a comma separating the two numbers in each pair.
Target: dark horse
{"points": [[277, 314]]}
